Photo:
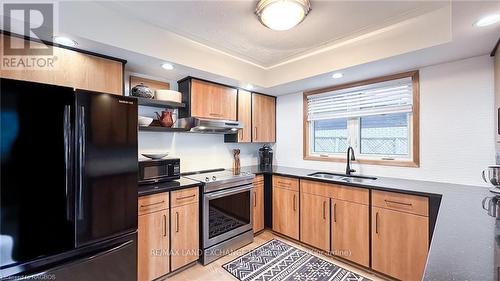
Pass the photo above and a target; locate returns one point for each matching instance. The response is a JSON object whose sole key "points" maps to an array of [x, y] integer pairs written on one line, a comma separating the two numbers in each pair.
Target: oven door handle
{"points": [[231, 191]]}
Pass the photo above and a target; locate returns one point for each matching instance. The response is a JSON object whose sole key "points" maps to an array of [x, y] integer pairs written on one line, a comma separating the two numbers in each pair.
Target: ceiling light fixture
{"points": [[337, 75], [487, 20], [282, 14], [249, 87], [167, 66], [65, 41]]}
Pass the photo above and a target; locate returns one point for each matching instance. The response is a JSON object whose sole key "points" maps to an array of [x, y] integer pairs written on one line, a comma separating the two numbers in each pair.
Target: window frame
{"points": [[414, 157]]}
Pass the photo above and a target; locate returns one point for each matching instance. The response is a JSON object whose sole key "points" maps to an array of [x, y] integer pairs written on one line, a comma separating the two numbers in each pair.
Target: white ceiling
{"points": [[423, 37], [232, 27]]}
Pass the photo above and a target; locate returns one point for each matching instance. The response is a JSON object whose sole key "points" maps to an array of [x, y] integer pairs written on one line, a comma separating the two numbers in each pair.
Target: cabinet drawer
{"points": [[413, 204], [184, 196], [352, 194], [286, 183], [336, 191], [259, 179], [152, 203]]}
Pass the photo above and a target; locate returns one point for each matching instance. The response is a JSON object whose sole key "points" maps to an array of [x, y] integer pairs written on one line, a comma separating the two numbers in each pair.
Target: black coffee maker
{"points": [[265, 156]]}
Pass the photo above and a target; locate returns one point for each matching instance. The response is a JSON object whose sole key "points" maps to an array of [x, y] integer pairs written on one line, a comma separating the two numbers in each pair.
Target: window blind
{"points": [[395, 96]]}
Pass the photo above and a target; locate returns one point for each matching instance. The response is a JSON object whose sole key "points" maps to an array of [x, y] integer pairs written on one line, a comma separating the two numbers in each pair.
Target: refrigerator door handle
{"points": [[68, 160], [81, 160]]}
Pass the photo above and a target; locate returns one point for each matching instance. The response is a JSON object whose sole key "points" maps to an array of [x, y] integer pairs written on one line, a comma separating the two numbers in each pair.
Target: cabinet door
{"points": [[209, 100], [315, 221], [286, 212], [153, 245], [258, 207], [350, 231], [245, 116], [263, 118], [71, 69], [400, 242], [185, 235]]}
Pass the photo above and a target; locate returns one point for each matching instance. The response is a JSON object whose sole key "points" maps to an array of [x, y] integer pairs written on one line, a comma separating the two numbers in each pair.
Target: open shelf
{"points": [[160, 129], [159, 103]]}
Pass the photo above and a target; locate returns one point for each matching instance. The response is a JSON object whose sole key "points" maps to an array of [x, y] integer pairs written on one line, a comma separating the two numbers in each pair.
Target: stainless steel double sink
{"points": [[341, 177]]}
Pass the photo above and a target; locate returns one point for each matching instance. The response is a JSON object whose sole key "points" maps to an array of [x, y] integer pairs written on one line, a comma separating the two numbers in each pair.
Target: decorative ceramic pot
{"points": [[165, 119], [142, 91]]}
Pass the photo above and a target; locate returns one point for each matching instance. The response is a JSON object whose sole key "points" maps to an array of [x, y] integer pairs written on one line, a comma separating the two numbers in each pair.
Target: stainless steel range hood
{"points": [[209, 126]]}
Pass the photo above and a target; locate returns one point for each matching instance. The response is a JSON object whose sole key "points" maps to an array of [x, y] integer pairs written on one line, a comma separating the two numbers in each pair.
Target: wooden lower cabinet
{"points": [[153, 245], [350, 228], [400, 243], [286, 212], [315, 221], [258, 206], [185, 235]]}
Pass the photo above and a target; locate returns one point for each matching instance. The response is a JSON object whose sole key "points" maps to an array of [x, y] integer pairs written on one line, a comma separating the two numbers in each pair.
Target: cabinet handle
{"points": [[376, 222], [387, 202], [152, 204], [215, 114], [185, 197], [241, 134], [324, 210], [285, 183], [255, 199], [176, 221], [255, 130], [334, 212], [164, 225], [294, 204]]}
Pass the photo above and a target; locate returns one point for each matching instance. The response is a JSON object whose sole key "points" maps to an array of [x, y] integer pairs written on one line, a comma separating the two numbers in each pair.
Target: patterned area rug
{"points": [[277, 261]]}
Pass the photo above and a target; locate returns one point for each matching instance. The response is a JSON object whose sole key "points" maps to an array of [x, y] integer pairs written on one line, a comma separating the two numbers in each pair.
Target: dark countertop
{"points": [[166, 186], [466, 241]]}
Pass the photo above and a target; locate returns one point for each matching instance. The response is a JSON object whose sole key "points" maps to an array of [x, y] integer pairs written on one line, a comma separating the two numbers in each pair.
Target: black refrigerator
{"points": [[68, 184]]}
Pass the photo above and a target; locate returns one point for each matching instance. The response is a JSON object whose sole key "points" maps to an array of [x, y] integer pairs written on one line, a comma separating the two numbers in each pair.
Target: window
{"points": [[377, 117]]}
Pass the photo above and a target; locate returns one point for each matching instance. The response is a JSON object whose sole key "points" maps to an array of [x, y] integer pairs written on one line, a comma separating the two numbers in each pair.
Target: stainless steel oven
{"points": [[227, 213]]}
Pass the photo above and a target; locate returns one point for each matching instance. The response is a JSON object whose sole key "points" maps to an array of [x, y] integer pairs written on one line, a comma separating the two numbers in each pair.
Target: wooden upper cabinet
{"points": [[213, 101], [400, 243], [245, 115], [286, 212], [350, 239], [315, 221], [71, 69], [258, 204], [153, 245], [263, 118]]}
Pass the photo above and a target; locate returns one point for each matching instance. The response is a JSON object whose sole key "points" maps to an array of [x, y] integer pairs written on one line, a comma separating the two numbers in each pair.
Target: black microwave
{"points": [[153, 171]]}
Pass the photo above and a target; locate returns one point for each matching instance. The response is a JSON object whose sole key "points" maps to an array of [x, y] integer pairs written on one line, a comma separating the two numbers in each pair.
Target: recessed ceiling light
{"points": [[65, 41], [337, 75], [487, 20], [249, 87], [282, 14], [167, 66]]}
